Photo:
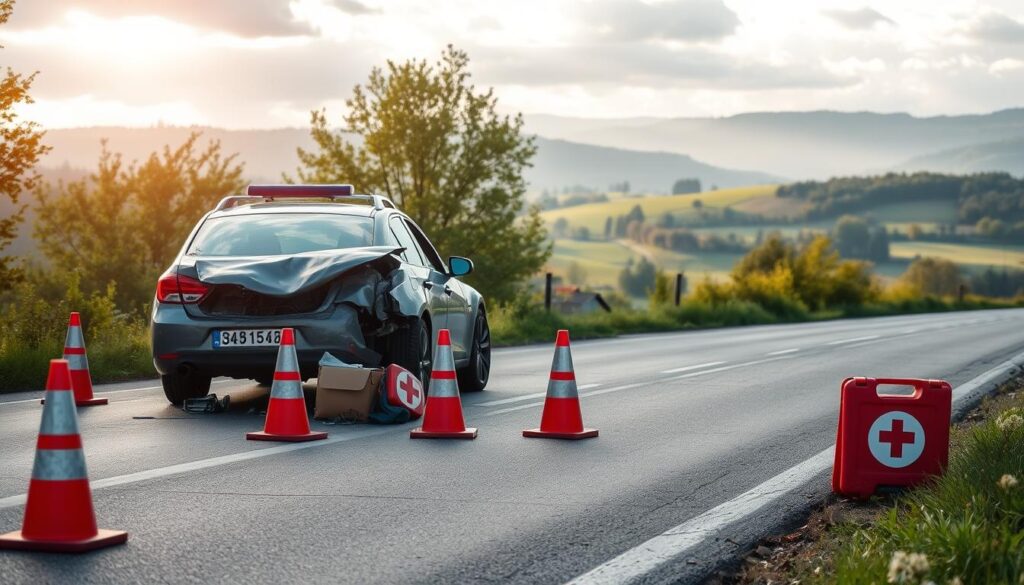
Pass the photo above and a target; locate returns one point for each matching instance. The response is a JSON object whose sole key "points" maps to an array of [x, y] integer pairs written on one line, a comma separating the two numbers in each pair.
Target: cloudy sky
{"points": [[266, 63]]}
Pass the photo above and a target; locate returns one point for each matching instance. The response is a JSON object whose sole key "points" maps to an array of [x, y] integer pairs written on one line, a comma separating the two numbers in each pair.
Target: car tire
{"points": [[411, 348], [178, 387], [473, 377]]}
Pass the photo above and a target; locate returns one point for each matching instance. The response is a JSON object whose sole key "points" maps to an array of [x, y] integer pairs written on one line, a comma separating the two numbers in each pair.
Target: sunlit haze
{"points": [[242, 64]]}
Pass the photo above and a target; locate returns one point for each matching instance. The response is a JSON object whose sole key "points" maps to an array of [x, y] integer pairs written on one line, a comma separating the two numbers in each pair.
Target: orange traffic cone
{"points": [[442, 414], [58, 513], [562, 418], [287, 419], [74, 353]]}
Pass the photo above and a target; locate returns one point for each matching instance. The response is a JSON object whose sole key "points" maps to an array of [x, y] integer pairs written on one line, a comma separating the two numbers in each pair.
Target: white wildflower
{"points": [[1010, 420], [1007, 482], [907, 568]]}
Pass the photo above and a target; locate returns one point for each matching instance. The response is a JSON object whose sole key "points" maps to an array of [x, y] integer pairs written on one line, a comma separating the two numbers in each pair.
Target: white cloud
{"points": [[1005, 66], [271, 62]]}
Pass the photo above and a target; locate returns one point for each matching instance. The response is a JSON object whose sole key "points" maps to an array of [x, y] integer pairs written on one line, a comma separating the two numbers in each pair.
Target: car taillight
{"points": [[176, 288]]}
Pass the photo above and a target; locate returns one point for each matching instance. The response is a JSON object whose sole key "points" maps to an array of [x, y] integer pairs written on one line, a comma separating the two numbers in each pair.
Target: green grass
{"points": [[593, 215], [967, 526], [125, 356]]}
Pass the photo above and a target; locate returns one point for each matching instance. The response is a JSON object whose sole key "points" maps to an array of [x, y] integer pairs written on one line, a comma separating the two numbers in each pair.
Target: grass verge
{"points": [[121, 355], [964, 527]]}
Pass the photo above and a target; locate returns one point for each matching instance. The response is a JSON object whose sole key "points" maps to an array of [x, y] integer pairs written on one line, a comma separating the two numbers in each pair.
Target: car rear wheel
{"points": [[178, 387], [473, 377], [411, 348]]}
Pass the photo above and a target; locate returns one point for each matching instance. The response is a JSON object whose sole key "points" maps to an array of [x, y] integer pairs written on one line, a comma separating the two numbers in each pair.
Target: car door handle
{"points": [[428, 285], [448, 290]]}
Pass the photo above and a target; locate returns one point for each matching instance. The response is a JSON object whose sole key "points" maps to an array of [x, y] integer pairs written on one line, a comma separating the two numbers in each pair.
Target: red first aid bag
{"points": [[404, 390], [888, 440]]}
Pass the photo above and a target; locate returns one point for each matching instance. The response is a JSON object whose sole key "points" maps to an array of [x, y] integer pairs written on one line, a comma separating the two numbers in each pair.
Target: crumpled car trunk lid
{"points": [[289, 285]]}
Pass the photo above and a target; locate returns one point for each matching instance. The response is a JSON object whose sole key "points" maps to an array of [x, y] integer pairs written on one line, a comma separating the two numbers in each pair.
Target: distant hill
{"points": [[269, 153], [560, 163], [798, 145], [1007, 155]]}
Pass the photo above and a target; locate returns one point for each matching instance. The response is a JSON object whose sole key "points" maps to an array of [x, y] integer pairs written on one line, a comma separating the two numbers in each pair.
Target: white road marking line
{"points": [[676, 543], [669, 545], [533, 396], [159, 472], [102, 393], [851, 340], [511, 400], [688, 368], [783, 351]]}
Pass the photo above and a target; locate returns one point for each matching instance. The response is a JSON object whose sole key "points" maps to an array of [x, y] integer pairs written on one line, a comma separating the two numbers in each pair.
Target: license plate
{"points": [[246, 337]]}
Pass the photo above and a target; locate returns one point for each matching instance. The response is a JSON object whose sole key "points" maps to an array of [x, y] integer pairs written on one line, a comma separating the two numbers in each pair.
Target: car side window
{"points": [[405, 239], [427, 249]]}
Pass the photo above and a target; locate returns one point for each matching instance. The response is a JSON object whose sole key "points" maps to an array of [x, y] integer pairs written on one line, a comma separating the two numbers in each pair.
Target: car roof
{"points": [[312, 207]]}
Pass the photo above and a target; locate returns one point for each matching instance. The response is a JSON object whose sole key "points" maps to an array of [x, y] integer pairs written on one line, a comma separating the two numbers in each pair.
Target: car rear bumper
{"points": [[183, 343]]}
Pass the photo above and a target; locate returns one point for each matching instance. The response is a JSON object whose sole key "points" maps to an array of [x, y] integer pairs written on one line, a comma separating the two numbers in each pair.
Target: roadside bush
{"points": [[33, 326]]}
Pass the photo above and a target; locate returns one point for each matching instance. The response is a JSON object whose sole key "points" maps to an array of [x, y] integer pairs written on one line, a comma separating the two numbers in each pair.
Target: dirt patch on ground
{"points": [[808, 550]]}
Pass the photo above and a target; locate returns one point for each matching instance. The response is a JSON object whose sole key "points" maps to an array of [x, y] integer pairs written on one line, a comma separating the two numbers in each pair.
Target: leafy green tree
{"points": [[124, 223], [20, 148], [933, 276], [852, 237], [682, 186], [637, 280], [440, 150]]}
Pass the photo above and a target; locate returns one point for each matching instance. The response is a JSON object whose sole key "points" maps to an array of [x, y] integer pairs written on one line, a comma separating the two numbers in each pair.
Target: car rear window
{"points": [[279, 233]]}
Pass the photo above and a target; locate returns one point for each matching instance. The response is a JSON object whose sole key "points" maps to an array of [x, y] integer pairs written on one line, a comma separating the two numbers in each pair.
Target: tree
{"points": [[439, 149], [682, 186], [20, 151], [638, 279], [933, 276], [561, 228], [124, 224], [608, 227], [852, 237], [576, 274]]}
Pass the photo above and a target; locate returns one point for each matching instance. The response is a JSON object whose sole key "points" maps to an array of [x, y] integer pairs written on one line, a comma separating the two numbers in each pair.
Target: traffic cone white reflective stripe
{"points": [[442, 414], [58, 512], [562, 418], [287, 419], [78, 362]]}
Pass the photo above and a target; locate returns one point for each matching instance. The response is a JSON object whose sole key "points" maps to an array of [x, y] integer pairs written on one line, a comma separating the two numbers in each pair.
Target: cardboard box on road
{"points": [[346, 392]]}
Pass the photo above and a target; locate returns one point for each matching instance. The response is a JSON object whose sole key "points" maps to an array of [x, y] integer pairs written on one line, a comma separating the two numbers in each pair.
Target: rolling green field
{"points": [[975, 255], [604, 260], [593, 215]]}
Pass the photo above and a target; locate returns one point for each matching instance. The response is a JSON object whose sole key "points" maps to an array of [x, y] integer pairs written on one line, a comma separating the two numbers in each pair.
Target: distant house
{"points": [[575, 301]]}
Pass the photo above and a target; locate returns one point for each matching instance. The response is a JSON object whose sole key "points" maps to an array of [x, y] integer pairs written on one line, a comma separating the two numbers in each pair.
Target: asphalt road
{"points": [[687, 421]]}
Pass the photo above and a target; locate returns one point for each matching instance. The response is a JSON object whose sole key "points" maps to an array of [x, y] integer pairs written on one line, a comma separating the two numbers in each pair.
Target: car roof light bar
{"points": [[257, 193], [275, 191]]}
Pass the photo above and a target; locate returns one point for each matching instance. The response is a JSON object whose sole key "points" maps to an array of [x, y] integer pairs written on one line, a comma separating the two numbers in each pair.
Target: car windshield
{"points": [[278, 233]]}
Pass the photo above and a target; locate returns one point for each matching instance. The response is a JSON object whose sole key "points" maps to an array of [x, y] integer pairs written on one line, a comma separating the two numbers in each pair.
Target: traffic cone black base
{"points": [[537, 433], [419, 433], [89, 402], [103, 538], [263, 436]]}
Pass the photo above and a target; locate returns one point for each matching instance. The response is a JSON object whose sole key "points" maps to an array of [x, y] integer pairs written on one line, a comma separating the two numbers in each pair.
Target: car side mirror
{"points": [[459, 266]]}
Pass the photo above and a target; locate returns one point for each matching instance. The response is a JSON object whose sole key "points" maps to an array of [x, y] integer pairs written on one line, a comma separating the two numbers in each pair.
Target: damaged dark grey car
{"points": [[352, 275]]}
